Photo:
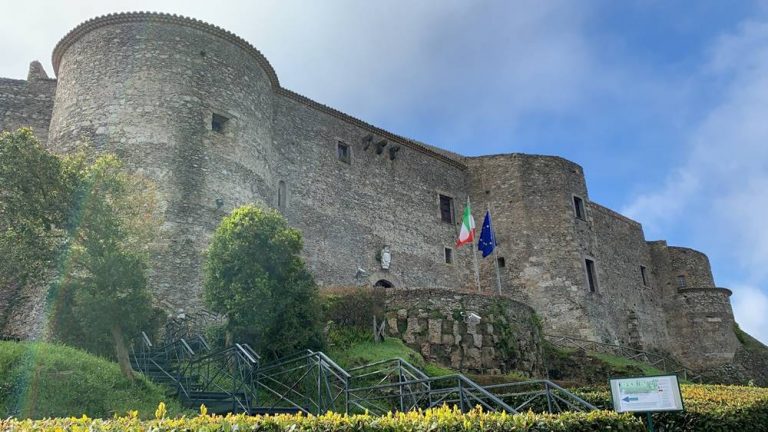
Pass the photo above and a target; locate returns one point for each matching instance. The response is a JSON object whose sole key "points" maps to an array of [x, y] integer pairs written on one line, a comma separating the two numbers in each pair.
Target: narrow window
{"points": [[217, 123], [591, 275], [446, 209], [681, 281], [342, 151], [642, 274], [281, 195], [502, 262], [578, 207], [448, 256]]}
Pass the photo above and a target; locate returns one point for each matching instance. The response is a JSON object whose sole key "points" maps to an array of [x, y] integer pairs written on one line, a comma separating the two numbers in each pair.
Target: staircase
{"points": [[234, 380]]}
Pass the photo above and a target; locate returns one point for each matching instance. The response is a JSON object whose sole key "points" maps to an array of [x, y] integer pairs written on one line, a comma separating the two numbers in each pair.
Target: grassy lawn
{"points": [[46, 380]]}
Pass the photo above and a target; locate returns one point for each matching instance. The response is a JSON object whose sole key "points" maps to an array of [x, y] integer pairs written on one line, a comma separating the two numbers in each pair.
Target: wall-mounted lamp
{"points": [[219, 203]]}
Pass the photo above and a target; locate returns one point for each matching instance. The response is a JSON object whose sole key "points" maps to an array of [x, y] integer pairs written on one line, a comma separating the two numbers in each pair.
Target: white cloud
{"points": [[718, 197], [750, 306]]}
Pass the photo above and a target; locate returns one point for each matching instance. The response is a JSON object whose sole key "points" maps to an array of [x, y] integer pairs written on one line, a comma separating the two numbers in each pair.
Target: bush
{"points": [[707, 407], [353, 306], [442, 419]]}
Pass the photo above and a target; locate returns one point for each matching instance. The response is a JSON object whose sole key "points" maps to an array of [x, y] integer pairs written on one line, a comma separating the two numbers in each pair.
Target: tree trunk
{"points": [[122, 352]]}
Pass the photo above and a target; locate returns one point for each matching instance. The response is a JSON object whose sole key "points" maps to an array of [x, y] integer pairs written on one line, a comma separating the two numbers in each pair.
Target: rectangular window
{"points": [[446, 209], [578, 208], [342, 151], [643, 275], [681, 281], [502, 262], [281, 195], [591, 275], [448, 256], [217, 122]]}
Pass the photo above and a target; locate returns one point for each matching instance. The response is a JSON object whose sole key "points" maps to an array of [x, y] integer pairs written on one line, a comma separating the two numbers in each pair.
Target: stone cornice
{"points": [[130, 17], [725, 291]]}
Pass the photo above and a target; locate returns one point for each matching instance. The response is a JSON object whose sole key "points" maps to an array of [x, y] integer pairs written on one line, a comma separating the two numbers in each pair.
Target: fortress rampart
{"points": [[201, 112]]}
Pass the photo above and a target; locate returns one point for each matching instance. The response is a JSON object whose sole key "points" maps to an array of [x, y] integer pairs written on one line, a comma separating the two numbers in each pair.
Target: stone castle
{"points": [[201, 112]]}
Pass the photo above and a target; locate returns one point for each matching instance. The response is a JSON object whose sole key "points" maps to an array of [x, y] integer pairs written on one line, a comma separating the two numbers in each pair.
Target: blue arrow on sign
{"points": [[630, 399]]}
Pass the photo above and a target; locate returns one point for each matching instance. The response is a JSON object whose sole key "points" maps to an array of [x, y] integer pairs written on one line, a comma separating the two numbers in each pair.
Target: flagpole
{"points": [[495, 253], [474, 253]]}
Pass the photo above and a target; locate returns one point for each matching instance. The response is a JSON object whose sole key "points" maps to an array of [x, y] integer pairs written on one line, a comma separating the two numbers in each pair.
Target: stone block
{"points": [[435, 331]]}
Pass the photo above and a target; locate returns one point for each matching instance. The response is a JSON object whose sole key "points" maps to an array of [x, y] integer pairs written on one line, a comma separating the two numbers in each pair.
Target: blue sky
{"points": [[664, 103]]}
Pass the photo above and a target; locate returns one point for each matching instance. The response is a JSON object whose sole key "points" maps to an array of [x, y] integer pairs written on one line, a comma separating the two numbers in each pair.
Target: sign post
{"points": [[646, 395]]}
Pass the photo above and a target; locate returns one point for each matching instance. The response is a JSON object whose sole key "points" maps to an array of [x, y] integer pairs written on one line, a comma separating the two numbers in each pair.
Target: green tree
{"points": [[103, 291], [90, 224], [36, 191], [255, 276]]}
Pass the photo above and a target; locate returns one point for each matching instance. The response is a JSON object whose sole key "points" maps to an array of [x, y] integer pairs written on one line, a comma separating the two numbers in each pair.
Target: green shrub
{"points": [[707, 408], [440, 419]]}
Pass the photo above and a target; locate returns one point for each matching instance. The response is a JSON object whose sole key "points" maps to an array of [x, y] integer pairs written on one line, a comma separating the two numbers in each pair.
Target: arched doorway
{"points": [[383, 283]]}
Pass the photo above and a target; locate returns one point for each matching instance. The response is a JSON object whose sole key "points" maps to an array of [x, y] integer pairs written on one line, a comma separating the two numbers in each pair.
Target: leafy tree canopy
{"points": [[255, 276], [89, 222]]}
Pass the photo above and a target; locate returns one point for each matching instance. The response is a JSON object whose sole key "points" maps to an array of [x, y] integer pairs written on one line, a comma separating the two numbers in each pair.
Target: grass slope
{"points": [[40, 380], [360, 353]]}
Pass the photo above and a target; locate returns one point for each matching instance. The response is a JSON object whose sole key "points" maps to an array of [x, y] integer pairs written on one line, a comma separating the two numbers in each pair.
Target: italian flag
{"points": [[467, 233]]}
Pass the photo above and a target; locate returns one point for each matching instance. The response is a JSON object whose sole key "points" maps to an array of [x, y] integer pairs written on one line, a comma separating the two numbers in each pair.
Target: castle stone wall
{"points": [[201, 112], [349, 211], [28, 103], [147, 91], [541, 241], [436, 323], [629, 310]]}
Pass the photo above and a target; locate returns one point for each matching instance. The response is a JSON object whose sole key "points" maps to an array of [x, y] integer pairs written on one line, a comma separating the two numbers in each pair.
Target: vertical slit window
{"points": [[448, 256], [591, 275], [578, 208], [643, 275], [281, 195]]}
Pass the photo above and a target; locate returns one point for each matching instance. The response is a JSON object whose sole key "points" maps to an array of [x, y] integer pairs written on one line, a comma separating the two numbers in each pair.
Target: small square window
{"points": [[681, 281], [578, 208], [448, 256], [218, 122], [643, 275], [446, 209], [342, 151]]}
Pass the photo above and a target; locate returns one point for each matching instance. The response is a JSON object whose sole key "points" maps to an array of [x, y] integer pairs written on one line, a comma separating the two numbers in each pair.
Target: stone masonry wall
{"points": [[28, 103], [349, 211], [147, 91], [435, 323]]}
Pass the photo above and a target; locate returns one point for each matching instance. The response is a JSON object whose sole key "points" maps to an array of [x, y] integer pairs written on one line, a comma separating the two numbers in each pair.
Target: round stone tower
{"points": [[185, 103], [700, 314], [542, 242]]}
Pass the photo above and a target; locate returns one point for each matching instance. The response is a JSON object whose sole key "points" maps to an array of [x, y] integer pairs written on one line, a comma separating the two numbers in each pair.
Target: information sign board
{"points": [[646, 394]]}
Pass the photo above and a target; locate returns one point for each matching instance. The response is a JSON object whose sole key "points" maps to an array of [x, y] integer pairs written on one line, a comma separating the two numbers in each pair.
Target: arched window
{"points": [[383, 283]]}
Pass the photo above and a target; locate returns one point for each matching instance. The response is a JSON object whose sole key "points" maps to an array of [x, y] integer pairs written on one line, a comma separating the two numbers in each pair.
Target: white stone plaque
{"points": [[646, 394]]}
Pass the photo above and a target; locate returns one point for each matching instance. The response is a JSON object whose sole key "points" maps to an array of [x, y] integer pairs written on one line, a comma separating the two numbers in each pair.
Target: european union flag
{"points": [[487, 240]]}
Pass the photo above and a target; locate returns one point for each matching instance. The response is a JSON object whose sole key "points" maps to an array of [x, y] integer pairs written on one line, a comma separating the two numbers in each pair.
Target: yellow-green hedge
{"points": [[708, 408], [440, 419]]}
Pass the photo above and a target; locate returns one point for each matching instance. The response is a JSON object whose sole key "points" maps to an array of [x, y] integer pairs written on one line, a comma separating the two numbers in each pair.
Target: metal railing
{"points": [[366, 393], [308, 381], [227, 373], [657, 360], [539, 396]]}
